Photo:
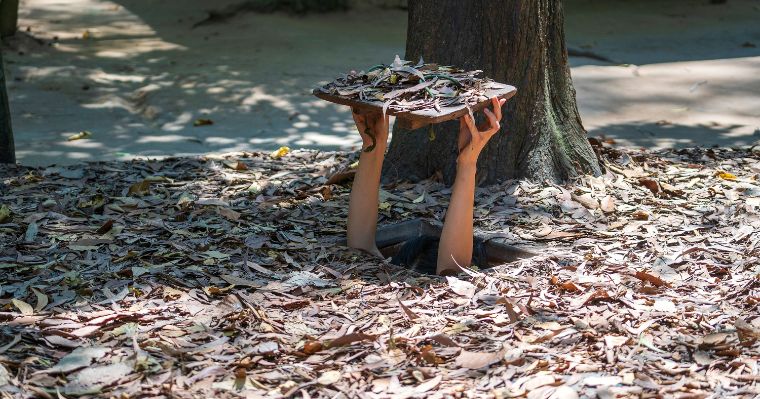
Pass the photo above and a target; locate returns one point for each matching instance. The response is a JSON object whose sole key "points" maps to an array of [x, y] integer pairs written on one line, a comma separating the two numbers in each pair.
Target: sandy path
{"points": [[144, 75]]}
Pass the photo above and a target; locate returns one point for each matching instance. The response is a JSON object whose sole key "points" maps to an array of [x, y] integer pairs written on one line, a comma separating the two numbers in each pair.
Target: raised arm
{"points": [[456, 238], [363, 203]]}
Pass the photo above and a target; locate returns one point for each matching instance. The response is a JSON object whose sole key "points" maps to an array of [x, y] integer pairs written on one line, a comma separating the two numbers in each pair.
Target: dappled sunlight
{"points": [[39, 73], [78, 156], [143, 76], [179, 123], [127, 49], [101, 77], [99, 18], [165, 138], [221, 141], [668, 135], [141, 70], [315, 138], [654, 32], [258, 95], [179, 225], [680, 104], [84, 144], [194, 271]]}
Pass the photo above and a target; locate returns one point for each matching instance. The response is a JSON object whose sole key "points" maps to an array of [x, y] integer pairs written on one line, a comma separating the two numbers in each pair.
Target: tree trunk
{"points": [[8, 17], [7, 151], [519, 42]]}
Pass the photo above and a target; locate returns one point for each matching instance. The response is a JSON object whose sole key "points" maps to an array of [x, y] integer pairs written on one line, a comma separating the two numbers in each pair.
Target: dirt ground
{"points": [[136, 74], [220, 278]]}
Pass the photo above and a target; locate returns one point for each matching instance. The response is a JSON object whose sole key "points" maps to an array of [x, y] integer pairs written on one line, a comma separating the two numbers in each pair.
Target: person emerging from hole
{"points": [[455, 247]]}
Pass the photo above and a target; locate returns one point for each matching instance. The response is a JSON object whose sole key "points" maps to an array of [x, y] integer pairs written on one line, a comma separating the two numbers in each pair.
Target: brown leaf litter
{"points": [[221, 277]]}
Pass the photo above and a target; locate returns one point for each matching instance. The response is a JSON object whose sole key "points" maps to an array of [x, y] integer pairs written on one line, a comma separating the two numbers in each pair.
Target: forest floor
{"points": [[137, 75], [222, 277]]}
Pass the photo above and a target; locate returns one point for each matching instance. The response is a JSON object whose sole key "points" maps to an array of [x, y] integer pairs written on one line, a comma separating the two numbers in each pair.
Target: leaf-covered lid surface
{"points": [[404, 86]]}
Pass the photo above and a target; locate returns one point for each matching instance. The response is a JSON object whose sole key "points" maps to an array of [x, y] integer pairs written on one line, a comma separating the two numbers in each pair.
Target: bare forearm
{"points": [[363, 203], [456, 239]]}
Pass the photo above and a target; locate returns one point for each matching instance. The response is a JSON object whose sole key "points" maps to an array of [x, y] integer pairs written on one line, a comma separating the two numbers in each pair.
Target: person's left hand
{"points": [[373, 129], [472, 139]]}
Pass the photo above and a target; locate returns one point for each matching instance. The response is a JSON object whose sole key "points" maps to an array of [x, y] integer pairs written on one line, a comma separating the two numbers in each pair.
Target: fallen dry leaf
{"points": [[607, 204], [179, 293], [650, 278], [23, 307], [478, 360], [280, 152], [349, 339], [329, 377], [84, 134], [202, 122], [461, 287]]}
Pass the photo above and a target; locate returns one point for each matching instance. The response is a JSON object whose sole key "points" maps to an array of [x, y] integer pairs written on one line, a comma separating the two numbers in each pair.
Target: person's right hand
{"points": [[373, 129], [472, 139]]}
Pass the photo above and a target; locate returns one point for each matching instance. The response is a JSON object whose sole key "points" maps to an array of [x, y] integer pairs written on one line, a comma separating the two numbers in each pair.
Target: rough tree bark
{"points": [[8, 17], [520, 42], [7, 150]]}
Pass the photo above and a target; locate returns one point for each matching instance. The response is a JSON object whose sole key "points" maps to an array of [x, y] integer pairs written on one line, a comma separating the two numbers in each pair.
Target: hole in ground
{"points": [[414, 244]]}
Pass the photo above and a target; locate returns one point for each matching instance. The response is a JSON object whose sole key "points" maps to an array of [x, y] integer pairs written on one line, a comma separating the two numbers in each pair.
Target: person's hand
{"points": [[373, 129], [472, 138]]}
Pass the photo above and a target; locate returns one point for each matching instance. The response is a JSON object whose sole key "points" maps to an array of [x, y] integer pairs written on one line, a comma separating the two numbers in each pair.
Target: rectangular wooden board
{"points": [[417, 119]]}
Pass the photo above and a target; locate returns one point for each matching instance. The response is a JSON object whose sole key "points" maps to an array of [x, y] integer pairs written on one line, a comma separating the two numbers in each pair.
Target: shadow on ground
{"points": [[667, 135], [138, 75], [143, 76], [211, 277], [651, 31]]}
